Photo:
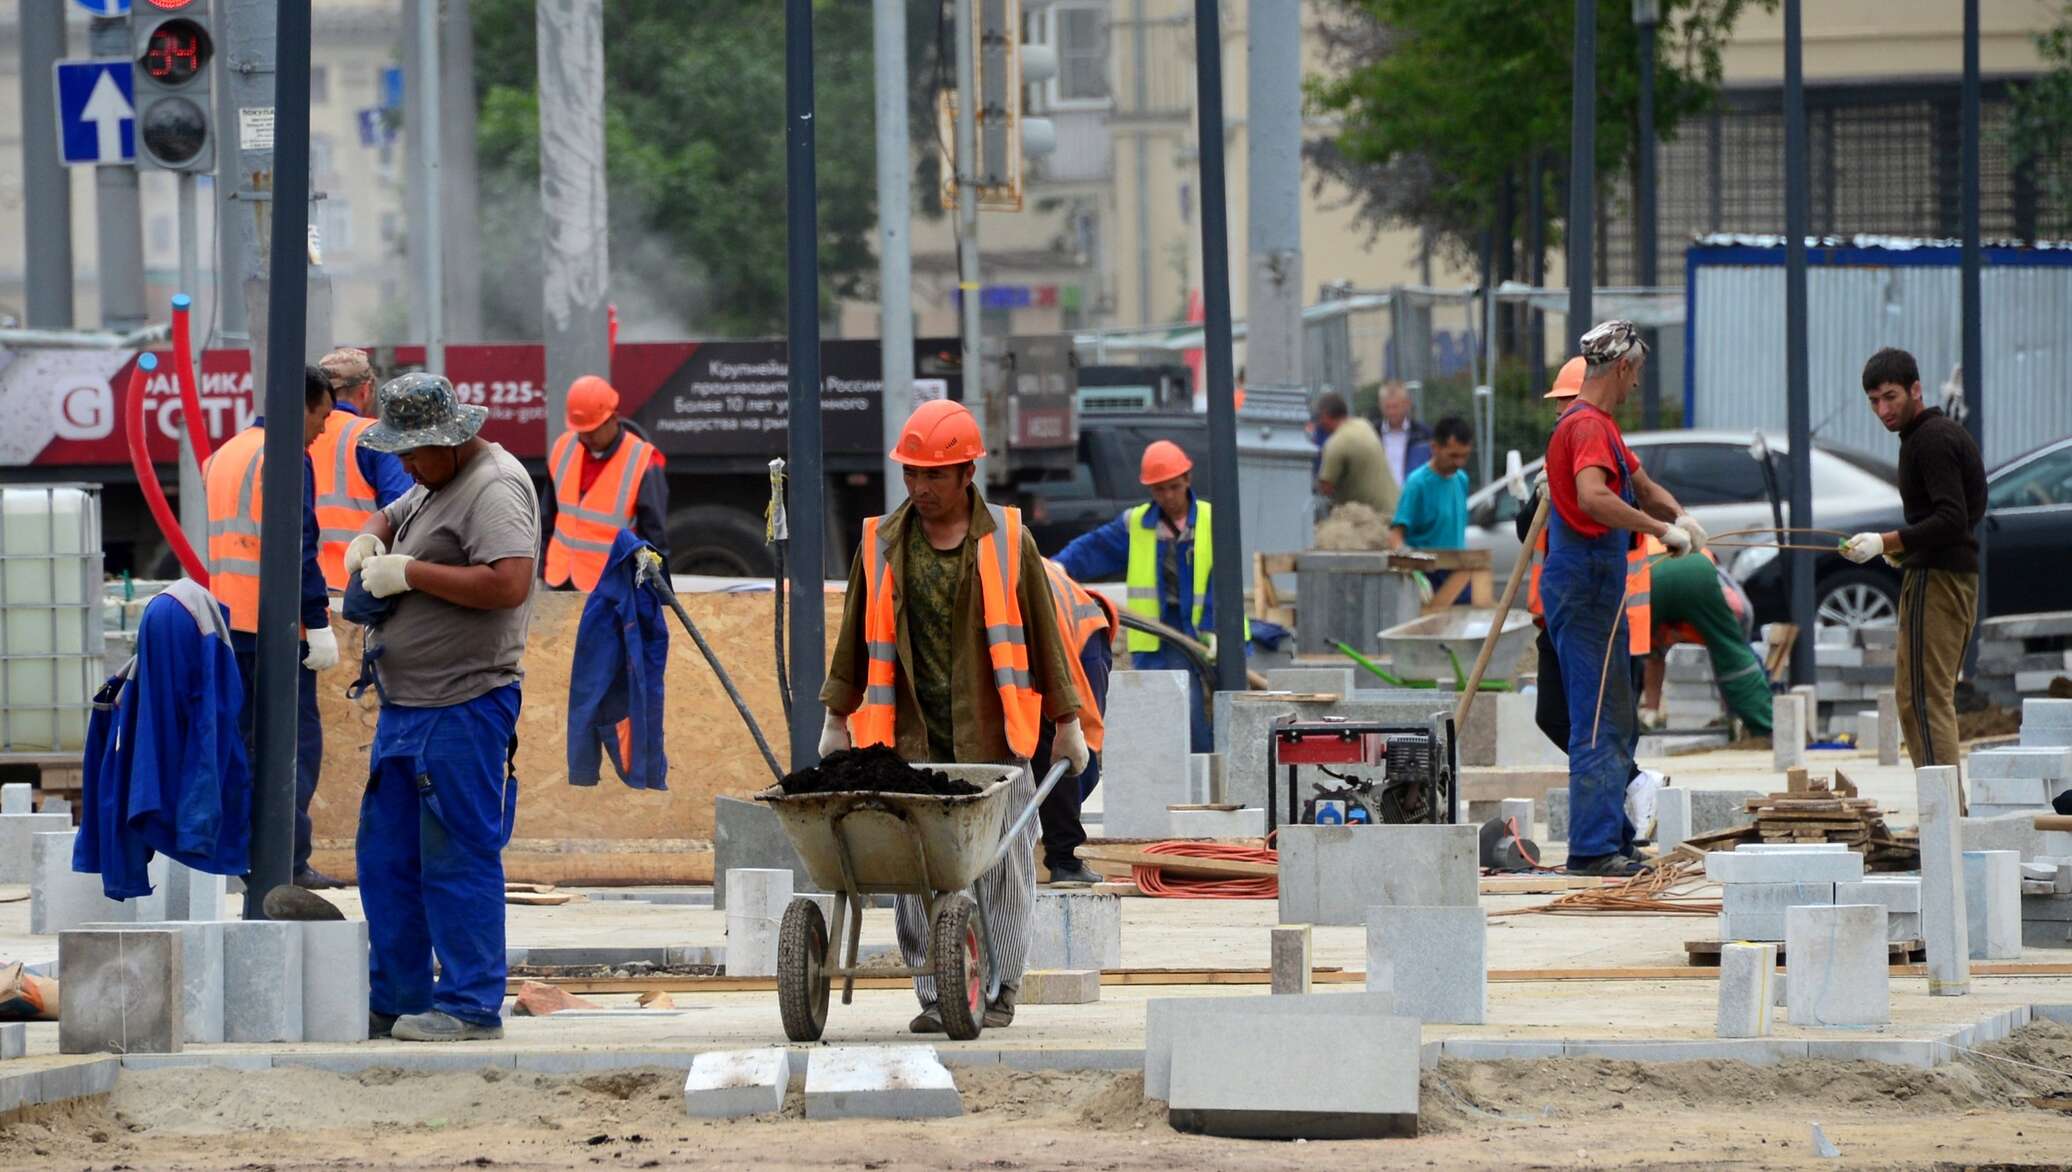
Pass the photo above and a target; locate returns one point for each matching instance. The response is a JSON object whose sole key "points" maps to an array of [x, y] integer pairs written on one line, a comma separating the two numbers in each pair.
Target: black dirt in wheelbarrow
{"points": [[876, 769]]}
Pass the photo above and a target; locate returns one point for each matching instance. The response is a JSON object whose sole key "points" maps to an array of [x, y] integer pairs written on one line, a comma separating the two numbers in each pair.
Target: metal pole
{"points": [[1485, 394], [1535, 266], [244, 178], [895, 244], [46, 185], [968, 283], [1227, 577], [1273, 176], [1582, 172], [194, 505], [1645, 15], [460, 194], [1973, 294], [427, 249], [1140, 78], [807, 507], [572, 197], [118, 215], [1797, 379], [280, 526]]}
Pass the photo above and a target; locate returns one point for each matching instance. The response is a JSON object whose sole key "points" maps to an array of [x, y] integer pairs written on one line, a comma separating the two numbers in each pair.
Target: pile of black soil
{"points": [[876, 769]]}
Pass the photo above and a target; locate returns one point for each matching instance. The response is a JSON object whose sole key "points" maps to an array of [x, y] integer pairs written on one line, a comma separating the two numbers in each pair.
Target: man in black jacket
{"points": [[1942, 491]]}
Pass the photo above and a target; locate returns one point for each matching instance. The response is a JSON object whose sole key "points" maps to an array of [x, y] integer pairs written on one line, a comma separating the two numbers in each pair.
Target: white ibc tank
{"points": [[50, 615]]}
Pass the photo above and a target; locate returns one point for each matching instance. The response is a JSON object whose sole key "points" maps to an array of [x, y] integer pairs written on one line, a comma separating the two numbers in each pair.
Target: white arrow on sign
{"points": [[107, 109]]}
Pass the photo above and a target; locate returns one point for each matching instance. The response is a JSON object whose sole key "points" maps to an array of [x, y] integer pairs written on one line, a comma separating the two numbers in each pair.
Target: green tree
{"points": [[2039, 133]]}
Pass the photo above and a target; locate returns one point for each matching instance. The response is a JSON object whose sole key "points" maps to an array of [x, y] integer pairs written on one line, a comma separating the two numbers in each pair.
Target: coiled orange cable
{"points": [[1154, 881]]}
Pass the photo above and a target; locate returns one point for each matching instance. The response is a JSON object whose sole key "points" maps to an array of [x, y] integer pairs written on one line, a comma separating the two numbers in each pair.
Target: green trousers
{"points": [[1687, 590]]}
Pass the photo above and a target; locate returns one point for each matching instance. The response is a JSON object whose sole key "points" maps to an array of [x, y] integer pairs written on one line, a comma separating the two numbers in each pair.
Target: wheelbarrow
{"points": [[858, 843]]}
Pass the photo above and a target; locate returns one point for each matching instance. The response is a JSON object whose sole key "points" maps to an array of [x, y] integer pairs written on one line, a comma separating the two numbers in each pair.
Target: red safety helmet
{"points": [[591, 403], [938, 434], [1163, 460], [1568, 383]]}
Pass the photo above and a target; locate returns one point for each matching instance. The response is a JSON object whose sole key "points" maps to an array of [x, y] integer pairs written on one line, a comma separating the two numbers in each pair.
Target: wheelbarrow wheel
{"points": [[960, 984], [802, 978]]}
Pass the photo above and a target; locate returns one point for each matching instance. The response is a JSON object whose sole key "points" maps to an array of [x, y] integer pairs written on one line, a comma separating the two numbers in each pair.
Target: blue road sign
{"points": [[105, 7], [97, 111], [392, 88]]}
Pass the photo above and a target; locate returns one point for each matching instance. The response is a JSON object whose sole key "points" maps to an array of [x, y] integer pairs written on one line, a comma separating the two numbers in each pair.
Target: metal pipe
{"points": [[118, 214], [1226, 575], [46, 187], [1140, 70], [968, 280], [895, 244], [1973, 296], [1582, 172], [1645, 15], [806, 512], [1797, 377], [427, 258]]}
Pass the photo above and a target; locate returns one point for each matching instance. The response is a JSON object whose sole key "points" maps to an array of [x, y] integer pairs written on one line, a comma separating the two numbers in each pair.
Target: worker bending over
{"points": [[1695, 600], [950, 651], [352, 479], [1088, 624], [606, 479], [456, 555], [1601, 499]]}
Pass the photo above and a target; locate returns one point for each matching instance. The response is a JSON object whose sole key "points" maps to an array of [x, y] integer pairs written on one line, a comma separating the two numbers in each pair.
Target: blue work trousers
{"points": [[1201, 733], [1583, 589], [309, 737], [438, 810]]}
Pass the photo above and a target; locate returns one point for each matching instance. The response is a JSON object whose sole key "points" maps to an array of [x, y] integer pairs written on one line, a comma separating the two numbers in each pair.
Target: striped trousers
{"points": [[1936, 611], [1006, 895]]}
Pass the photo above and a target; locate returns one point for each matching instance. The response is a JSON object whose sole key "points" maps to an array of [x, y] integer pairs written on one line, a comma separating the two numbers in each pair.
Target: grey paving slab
{"points": [[880, 1082], [15, 830], [1746, 975], [201, 974], [1166, 1018], [262, 981], [1993, 904], [1838, 966], [734, 1084], [1075, 930], [122, 992], [1255, 1075], [1333, 874], [1438, 958], [1145, 764], [1944, 930], [14, 1039], [336, 985]]}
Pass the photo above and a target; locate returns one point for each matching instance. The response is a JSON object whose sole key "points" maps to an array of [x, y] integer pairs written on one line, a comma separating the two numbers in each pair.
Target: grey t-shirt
{"points": [[436, 654]]}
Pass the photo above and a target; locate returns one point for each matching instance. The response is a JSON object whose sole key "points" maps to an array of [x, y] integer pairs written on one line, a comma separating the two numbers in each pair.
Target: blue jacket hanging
{"points": [[165, 768], [615, 685]]}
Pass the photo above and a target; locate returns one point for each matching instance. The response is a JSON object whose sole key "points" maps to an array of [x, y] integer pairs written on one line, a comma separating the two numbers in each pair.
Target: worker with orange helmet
{"points": [[949, 651], [1163, 550], [606, 478]]}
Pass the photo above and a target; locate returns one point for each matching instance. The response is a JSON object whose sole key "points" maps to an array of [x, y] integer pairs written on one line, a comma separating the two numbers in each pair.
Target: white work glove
{"points": [[323, 648], [834, 735], [1694, 530], [1539, 484], [1069, 744], [1424, 588], [1863, 547], [365, 546], [1520, 488], [384, 574], [1676, 541]]}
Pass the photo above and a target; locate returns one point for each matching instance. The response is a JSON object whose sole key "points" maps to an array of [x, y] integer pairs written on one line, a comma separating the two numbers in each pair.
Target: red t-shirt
{"points": [[1586, 437]]}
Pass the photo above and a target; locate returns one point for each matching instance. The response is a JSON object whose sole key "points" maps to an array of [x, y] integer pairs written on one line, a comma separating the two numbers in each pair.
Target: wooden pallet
{"points": [[1705, 953]]}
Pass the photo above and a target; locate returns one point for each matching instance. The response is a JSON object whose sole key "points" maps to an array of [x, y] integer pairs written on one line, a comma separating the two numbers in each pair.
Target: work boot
{"points": [[315, 880], [290, 902], [441, 1027], [1001, 1012], [928, 1021], [380, 1024], [1072, 874], [1616, 866]]}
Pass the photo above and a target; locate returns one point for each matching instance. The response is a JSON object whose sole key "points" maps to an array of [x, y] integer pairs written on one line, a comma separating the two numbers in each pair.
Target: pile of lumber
{"points": [[1813, 810]]}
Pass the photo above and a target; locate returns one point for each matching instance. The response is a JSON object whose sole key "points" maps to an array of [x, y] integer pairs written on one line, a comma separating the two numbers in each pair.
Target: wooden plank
{"points": [[1843, 785], [1796, 779], [1179, 865]]}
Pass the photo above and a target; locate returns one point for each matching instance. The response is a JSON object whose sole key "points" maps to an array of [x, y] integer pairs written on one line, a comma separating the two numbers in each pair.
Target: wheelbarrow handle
{"points": [[1050, 781]]}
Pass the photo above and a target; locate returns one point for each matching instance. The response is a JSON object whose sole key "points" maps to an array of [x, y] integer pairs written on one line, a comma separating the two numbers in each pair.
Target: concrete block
{"points": [[1168, 1018], [734, 1084], [122, 992], [1791, 848], [73, 1080], [1519, 742], [1249, 822], [1060, 987], [1333, 874], [1338, 681], [1791, 721], [61, 898], [1773, 898], [1291, 966], [335, 981], [201, 969], [16, 827], [14, 1039], [2010, 794], [1737, 867], [746, 835], [1205, 779], [1746, 972], [1837, 959], [262, 981], [880, 1082], [1888, 727], [150, 907], [1866, 728], [17, 797], [1075, 930], [1944, 928], [2015, 761], [194, 895], [1519, 809], [1145, 761], [1557, 815], [2008, 832], [1993, 904], [1257, 1076], [1672, 816], [1901, 899], [55, 805], [753, 918], [1438, 960], [1720, 810], [1751, 926], [2046, 713]]}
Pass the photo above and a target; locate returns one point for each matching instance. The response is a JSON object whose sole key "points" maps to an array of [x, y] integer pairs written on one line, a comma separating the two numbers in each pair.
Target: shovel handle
{"points": [[1503, 610]]}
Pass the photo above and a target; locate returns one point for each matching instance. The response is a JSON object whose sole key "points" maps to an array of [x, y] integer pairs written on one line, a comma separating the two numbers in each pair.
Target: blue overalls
{"points": [[1583, 591]]}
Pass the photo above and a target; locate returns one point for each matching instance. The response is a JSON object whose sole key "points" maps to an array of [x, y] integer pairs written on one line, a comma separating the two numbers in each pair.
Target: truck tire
{"points": [[718, 541]]}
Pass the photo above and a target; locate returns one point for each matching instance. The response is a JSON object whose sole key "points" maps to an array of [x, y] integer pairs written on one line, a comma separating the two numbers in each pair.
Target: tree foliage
{"points": [[2040, 132]]}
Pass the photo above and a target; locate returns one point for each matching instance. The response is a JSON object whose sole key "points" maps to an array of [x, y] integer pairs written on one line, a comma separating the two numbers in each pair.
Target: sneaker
{"points": [[1072, 874], [314, 880], [379, 1025], [1001, 1012], [928, 1021], [294, 902], [441, 1027], [1616, 866]]}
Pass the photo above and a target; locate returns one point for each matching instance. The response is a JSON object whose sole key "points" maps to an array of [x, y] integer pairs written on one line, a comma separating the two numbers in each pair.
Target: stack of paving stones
{"points": [[1851, 667], [1760, 883], [1690, 698], [2017, 779], [2019, 656]]}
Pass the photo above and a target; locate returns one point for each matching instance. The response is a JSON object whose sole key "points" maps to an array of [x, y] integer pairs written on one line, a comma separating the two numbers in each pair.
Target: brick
{"points": [[746, 835], [1745, 995], [16, 798], [1169, 1018], [1060, 987], [734, 1084], [1944, 929], [1736, 867], [335, 981], [1773, 898], [1075, 930], [1437, 958], [1145, 761], [880, 1082], [14, 1040], [1333, 874], [2047, 713], [61, 898], [122, 992], [1254, 1075], [1837, 966], [2014, 761], [1249, 822], [1790, 721], [1888, 727], [753, 918], [262, 981], [194, 895], [16, 827], [1557, 815], [1993, 904], [201, 974], [1672, 817], [1751, 926], [1291, 967]]}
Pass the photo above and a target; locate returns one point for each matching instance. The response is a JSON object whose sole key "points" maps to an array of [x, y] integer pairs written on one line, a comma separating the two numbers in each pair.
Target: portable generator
{"points": [[1417, 784]]}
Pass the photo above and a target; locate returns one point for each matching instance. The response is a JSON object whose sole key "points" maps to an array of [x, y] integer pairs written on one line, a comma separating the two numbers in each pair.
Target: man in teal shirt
{"points": [[1432, 512]]}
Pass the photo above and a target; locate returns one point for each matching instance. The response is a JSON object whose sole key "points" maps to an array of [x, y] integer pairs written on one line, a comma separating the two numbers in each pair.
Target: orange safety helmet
{"points": [[938, 434], [1569, 382], [1163, 460], [591, 403]]}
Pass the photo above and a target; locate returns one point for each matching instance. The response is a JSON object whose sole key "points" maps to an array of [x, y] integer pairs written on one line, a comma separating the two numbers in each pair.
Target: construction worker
{"points": [[1088, 622], [606, 478], [456, 555], [351, 480], [1353, 464], [1165, 549], [231, 481], [1694, 600], [1601, 497], [1942, 496], [950, 651]]}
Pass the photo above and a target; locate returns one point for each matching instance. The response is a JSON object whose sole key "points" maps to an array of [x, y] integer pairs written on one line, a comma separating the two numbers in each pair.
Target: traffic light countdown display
{"points": [[172, 44]]}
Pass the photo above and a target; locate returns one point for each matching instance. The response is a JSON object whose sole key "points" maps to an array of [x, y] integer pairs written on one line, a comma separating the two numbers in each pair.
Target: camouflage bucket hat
{"points": [[420, 410], [1609, 341]]}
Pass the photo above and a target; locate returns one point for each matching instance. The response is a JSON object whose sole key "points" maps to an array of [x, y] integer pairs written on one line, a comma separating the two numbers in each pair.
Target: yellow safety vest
{"points": [[1140, 595]]}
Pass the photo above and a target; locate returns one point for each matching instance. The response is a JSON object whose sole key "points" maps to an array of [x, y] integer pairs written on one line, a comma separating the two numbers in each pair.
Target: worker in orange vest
{"points": [[231, 481], [1089, 623], [352, 480], [949, 651], [606, 478]]}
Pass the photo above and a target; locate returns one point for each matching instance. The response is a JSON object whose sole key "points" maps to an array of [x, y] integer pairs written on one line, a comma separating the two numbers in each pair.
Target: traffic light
{"points": [[1006, 138], [172, 43]]}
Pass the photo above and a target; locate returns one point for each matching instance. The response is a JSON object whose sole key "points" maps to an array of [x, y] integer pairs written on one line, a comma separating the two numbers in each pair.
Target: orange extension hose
{"points": [[1154, 881]]}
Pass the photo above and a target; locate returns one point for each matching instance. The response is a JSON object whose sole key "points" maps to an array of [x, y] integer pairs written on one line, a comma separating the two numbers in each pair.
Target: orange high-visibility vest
{"points": [[1639, 579], [585, 523], [1082, 616], [999, 558], [344, 498], [230, 480]]}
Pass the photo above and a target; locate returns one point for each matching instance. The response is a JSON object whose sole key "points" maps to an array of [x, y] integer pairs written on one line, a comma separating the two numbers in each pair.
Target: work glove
{"points": [[1694, 530], [1539, 484], [323, 648], [1676, 541], [1069, 744], [1424, 588], [365, 546], [384, 575], [1863, 547], [834, 735]]}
